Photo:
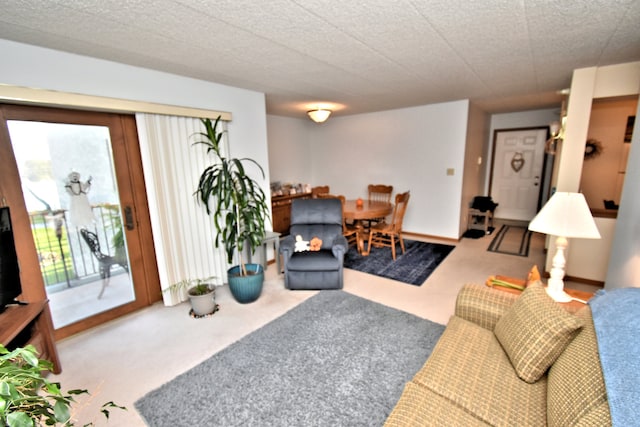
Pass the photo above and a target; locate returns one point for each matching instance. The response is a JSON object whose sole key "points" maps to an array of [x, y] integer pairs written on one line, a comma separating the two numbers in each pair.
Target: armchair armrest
{"points": [[483, 306], [339, 246], [287, 247]]}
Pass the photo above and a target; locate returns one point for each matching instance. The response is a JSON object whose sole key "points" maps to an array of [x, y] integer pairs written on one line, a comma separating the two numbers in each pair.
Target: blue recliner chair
{"points": [[321, 218]]}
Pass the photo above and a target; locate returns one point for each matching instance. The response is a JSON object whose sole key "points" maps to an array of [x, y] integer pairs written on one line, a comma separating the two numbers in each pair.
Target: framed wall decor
{"points": [[628, 133]]}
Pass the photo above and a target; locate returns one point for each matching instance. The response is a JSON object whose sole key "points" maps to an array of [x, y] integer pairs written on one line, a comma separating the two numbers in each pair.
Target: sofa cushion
{"points": [[322, 260], [420, 407], [469, 368], [482, 305], [535, 331], [576, 393]]}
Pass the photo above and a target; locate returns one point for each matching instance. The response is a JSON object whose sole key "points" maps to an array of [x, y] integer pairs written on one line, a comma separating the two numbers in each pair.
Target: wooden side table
{"points": [[270, 238], [571, 306], [30, 324]]}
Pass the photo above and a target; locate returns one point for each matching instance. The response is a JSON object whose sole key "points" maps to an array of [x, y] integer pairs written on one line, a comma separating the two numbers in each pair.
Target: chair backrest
{"points": [[93, 243], [399, 209], [342, 201], [320, 218], [380, 192], [319, 190]]}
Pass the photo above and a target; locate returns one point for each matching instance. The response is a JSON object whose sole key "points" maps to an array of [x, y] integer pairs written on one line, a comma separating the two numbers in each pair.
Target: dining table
{"points": [[358, 210], [370, 209]]}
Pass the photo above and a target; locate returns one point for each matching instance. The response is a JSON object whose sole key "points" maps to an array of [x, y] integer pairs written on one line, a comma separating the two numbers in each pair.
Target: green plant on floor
{"points": [[27, 399], [193, 286], [236, 201]]}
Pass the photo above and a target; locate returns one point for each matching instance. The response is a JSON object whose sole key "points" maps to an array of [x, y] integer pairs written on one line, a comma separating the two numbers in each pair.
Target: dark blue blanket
{"points": [[616, 318]]}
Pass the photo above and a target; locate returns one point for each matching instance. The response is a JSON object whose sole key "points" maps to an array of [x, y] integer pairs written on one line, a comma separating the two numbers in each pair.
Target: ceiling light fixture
{"points": [[319, 115]]}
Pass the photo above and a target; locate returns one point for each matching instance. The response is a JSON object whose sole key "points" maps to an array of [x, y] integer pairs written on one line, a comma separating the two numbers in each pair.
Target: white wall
{"points": [[588, 84], [289, 153], [409, 148], [603, 175], [523, 119], [35, 67], [475, 163], [624, 262]]}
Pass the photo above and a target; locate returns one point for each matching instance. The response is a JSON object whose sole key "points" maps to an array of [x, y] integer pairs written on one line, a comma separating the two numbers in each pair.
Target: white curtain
{"points": [[183, 233]]}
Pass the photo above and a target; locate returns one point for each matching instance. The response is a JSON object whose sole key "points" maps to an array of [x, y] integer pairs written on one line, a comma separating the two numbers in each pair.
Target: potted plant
{"points": [[28, 399], [239, 209], [202, 294]]}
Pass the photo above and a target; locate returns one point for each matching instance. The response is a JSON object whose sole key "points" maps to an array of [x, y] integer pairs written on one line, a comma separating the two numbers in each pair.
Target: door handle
{"points": [[128, 218]]}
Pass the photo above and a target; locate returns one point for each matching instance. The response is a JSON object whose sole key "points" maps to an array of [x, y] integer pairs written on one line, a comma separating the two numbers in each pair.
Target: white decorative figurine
{"points": [[80, 213], [301, 245]]}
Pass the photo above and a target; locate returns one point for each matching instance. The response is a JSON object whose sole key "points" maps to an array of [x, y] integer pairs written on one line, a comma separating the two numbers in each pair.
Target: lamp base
{"points": [[558, 295]]}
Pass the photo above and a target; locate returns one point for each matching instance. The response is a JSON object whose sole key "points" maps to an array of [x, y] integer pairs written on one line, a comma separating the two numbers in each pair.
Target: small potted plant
{"points": [[239, 209], [202, 294], [27, 398]]}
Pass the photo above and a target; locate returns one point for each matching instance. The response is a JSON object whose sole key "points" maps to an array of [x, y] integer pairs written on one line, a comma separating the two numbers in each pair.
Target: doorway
{"points": [[79, 175], [517, 172]]}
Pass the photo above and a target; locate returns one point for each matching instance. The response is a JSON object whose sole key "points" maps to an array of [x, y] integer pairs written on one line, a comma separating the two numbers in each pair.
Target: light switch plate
{"points": [[450, 171]]}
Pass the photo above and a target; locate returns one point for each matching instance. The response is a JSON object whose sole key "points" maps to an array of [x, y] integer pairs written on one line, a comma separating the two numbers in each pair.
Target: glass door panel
{"points": [[71, 193]]}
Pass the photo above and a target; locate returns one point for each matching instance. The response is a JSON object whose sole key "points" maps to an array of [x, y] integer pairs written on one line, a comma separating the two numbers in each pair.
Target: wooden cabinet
{"points": [[281, 211], [30, 324]]}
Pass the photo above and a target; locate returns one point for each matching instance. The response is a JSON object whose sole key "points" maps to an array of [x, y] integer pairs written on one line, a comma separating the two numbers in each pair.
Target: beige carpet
{"points": [[123, 360]]}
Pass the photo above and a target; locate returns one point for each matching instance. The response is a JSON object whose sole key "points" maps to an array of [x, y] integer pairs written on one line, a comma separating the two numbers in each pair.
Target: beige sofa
{"points": [[497, 363]]}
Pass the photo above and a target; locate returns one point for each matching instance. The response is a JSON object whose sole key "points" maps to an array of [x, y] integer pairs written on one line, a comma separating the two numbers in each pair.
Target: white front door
{"points": [[518, 160]]}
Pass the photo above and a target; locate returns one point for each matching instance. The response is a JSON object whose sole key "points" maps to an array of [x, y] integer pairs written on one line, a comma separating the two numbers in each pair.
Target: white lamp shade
{"points": [[566, 215], [319, 115]]}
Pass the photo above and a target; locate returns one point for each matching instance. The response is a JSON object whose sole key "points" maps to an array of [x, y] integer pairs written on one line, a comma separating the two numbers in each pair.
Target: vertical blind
{"points": [[184, 235]]}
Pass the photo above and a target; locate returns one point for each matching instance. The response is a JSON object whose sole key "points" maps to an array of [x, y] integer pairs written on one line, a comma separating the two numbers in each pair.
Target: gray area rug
{"points": [[334, 360]]}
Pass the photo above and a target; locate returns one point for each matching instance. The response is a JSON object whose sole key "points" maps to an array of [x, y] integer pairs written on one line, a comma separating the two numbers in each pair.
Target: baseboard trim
{"points": [[430, 237], [585, 281], [579, 280]]}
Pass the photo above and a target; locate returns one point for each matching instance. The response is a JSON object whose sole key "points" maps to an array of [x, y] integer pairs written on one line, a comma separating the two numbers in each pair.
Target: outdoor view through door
{"points": [[75, 170], [72, 197]]}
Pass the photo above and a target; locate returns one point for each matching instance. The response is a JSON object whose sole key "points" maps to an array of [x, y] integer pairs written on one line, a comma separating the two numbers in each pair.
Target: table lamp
{"points": [[565, 215]]}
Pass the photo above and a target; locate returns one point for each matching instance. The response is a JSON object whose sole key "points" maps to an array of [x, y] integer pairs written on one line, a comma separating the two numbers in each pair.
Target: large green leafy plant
{"points": [[234, 199], [27, 399]]}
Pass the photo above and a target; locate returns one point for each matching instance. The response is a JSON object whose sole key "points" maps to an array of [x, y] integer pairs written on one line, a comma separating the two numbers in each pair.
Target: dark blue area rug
{"points": [[412, 267], [334, 360]]}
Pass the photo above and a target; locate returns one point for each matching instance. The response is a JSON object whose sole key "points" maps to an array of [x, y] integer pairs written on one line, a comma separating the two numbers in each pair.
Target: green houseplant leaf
{"points": [[27, 398], [235, 201]]}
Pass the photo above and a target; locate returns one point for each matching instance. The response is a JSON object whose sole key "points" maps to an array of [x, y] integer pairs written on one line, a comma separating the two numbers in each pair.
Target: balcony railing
{"points": [[65, 258]]}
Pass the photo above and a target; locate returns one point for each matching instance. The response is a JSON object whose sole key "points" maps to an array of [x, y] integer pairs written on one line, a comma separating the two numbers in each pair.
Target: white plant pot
{"points": [[203, 304]]}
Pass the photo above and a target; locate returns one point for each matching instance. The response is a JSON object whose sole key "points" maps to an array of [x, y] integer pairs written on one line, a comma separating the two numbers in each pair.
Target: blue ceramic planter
{"points": [[246, 289]]}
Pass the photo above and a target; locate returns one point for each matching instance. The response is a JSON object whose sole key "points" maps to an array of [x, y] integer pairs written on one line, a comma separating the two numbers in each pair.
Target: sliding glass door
{"points": [[78, 173]]}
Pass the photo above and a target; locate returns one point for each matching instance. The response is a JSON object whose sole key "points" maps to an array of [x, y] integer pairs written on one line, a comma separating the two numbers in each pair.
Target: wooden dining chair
{"points": [[352, 232], [378, 193], [388, 234], [320, 189]]}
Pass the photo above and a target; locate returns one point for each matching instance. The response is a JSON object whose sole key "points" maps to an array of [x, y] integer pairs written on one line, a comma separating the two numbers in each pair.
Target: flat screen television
{"points": [[9, 267]]}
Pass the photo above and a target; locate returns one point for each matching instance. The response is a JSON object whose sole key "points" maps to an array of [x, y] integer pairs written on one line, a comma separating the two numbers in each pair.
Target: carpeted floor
{"points": [[412, 267], [327, 362], [511, 240]]}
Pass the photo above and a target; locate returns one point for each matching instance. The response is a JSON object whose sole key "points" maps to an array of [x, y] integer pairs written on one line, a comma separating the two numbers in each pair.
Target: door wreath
{"points": [[517, 162], [592, 149]]}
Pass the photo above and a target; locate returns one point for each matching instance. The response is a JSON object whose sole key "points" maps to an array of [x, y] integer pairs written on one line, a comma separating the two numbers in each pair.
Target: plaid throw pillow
{"points": [[534, 332]]}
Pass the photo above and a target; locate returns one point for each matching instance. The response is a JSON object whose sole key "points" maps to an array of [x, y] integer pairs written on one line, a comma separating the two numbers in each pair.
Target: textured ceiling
{"points": [[354, 55]]}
